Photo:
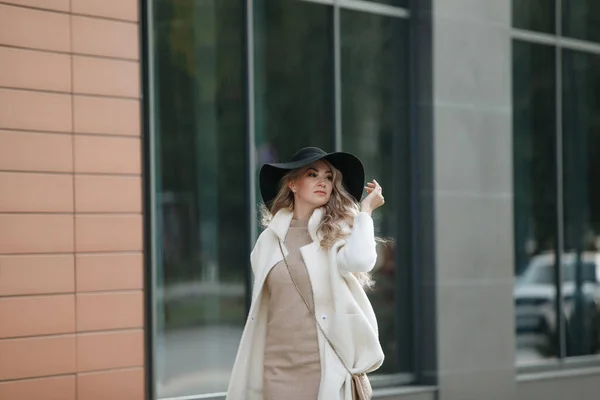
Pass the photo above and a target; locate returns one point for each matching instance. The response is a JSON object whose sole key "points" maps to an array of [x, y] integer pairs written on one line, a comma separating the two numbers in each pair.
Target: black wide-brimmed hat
{"points": [[353, 173]]}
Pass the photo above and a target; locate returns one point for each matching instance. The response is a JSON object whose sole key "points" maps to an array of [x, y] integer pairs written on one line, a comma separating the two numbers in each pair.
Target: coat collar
{"points": [[280, 223]]}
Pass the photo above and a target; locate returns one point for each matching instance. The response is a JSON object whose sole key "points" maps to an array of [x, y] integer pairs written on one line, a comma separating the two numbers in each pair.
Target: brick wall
{"points": [[71, 304]]}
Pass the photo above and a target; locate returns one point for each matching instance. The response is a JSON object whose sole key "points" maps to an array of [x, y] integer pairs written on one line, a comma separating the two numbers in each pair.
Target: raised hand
{"points": [[375, 198]]}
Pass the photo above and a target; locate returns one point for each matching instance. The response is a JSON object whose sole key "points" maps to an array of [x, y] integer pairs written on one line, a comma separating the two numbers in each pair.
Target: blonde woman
{"points": [[311, 329]]}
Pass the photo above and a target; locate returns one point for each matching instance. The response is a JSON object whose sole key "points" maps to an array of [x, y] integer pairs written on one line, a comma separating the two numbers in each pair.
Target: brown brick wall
{"points": [[71, 303]]}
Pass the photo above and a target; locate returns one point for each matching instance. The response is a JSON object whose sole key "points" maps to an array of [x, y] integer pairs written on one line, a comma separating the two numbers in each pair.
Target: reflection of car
{"points": [[535, 294]]}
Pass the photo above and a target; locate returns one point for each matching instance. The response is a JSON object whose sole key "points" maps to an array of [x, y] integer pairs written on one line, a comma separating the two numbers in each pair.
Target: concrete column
{"points": [[472, 198]]}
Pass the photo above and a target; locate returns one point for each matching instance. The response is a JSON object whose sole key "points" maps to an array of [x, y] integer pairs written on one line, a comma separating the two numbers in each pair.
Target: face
{"points": [[313, 186]]}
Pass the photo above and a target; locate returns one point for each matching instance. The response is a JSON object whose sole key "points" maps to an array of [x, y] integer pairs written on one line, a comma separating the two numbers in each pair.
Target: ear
{"points": [[292, 186]]}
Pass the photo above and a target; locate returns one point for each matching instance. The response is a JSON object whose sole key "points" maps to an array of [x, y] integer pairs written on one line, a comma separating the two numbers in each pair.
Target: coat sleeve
{"points": [[358, 253]]}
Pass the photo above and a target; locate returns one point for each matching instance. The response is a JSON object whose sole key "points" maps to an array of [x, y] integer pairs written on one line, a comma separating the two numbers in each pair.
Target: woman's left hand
{"points": [[375, 198]]}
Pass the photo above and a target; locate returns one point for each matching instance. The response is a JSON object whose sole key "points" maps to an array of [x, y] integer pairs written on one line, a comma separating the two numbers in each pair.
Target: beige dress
{"points": [[292, 367]]}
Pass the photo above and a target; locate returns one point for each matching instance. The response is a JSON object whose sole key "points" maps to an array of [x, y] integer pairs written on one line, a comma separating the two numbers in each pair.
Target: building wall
{"points": [[473, 213], [71, 301], [579, 384], [472, 143], [71, 275]]}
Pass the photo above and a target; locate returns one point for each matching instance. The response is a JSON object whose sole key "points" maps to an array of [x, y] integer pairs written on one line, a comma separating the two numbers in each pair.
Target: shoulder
{"points": [[257, 256], [265, 236], [264, 239]]}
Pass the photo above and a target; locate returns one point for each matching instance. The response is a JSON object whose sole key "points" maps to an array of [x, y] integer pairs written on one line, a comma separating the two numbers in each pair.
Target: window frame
{"points": [[559, 42], [418, 207]]}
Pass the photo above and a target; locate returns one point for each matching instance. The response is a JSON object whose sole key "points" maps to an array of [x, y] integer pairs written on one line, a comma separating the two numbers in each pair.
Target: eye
{"points": [[312, 174], [330, 178]]}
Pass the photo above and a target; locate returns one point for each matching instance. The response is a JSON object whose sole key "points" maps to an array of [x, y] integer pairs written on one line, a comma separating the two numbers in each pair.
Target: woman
{"points": [[310, 265]]}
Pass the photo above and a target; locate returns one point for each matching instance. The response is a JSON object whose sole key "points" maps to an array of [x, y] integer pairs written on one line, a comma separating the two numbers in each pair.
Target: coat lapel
{"points": [[280, 224]]}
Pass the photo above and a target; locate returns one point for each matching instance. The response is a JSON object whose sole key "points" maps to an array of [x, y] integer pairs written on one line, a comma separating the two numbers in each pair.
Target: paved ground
{"points": [[199, 360]]}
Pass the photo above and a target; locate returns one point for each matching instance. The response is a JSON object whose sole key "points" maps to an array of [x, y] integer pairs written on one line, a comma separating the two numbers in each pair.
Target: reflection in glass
{"points": [[293, 78], [581, 156], [374, 123], [534, 15], [581, 19], [201, 238], [534, 152]]}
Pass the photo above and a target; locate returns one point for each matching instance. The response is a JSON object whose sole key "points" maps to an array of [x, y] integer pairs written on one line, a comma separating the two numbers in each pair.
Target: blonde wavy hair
{"points": [[341, 208]]}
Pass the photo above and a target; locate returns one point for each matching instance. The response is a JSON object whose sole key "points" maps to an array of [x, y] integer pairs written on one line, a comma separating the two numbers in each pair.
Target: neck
{"points": [[303, 213]]}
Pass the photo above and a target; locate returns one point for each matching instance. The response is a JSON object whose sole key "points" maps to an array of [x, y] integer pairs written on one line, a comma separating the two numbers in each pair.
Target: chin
{"points": [[320, 202]]}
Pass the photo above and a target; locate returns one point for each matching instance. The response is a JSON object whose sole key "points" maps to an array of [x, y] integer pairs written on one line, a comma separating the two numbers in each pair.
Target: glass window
{"points": [[581, 19], [534, 15], [581, 168], [202, 235], [542, 271], [534, 152], [374, 123], [293, 78], [201, 239]]}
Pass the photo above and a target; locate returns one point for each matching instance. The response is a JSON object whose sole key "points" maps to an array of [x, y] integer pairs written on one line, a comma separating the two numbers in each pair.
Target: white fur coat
{"points": [[341, 305]]}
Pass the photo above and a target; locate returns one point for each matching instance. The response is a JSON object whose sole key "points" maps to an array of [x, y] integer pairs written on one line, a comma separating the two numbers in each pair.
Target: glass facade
{"points": [[581, 218], [534, 163], [374, 127], [556, 133], [202, 238], [236, 84], [534, 15], [294, 78], [581, 19], [230, 95]]}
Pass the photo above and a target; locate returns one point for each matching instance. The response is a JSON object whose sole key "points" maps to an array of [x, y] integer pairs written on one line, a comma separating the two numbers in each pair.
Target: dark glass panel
{"points": [[375, 128], [534, 163], [201, 237]]}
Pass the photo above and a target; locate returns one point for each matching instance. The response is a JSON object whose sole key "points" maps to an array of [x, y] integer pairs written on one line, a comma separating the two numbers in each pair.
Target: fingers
{"points": [[373, 186], [375, 197]]}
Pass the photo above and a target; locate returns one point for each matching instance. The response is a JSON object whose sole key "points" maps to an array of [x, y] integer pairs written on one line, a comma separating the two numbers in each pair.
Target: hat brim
{"points": [[353, 174]]}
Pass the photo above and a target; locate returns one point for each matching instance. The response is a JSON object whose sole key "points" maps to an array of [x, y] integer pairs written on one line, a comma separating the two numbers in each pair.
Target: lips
{"points": [[320, 192]]}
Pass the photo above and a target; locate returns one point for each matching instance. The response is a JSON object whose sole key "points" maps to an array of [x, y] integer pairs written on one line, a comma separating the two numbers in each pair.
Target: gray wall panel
{"points": [[474, 240], [408, 394], [494, 11], [571, 385], [480, 385], [472, 142], [474, 150], [471, 339]]}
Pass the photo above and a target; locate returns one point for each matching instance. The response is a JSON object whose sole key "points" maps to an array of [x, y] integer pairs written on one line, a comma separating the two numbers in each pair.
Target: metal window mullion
{"points": [[414, 79], [579, 45], [560, 317], [150, 182], [250, 138], [553, 40], [365, 6], [324, 2], [373, 8], [535, 37], [337, 78]]}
